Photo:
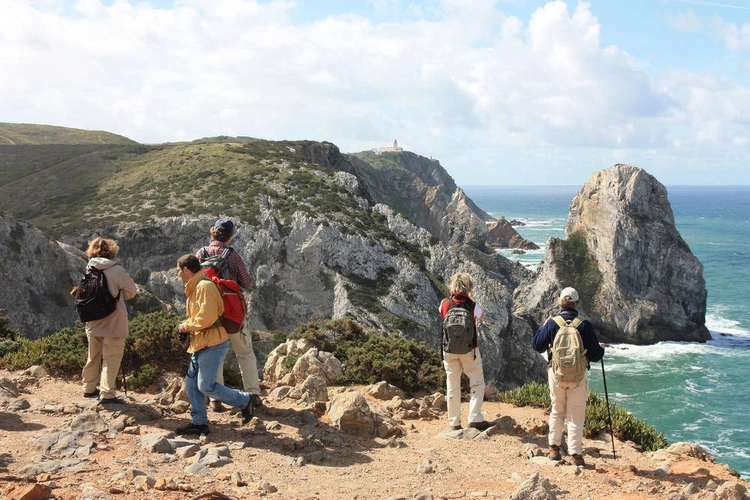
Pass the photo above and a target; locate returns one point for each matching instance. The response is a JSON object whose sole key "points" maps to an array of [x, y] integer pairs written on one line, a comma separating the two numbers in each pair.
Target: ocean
{"points": [[688, 391]]}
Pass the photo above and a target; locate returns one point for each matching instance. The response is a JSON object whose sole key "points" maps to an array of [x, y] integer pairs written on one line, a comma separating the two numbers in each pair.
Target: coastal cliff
{"points": [[326, 234]]}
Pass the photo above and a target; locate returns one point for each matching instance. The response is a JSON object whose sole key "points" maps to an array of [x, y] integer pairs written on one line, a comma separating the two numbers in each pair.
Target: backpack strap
{"points": [[217, 323], [204, 253], [226, 253], [561, 321]]}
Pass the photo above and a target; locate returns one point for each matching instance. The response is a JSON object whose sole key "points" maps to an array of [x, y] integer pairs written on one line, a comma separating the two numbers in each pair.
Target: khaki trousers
{"points": [[102, 365], [455, 364], [242, 345], [568, 403]]}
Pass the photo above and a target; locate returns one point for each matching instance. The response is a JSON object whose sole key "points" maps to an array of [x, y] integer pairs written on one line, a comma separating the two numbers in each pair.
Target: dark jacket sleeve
{"points": [[594, 351], [543, 338]]}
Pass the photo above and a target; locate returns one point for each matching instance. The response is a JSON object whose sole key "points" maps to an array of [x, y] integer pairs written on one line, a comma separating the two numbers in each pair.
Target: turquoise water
{"points": [[690, 392]]}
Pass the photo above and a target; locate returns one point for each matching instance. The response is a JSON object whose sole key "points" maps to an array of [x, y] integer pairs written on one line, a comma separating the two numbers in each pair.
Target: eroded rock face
{"points": [[638, 280], [38, 274]]}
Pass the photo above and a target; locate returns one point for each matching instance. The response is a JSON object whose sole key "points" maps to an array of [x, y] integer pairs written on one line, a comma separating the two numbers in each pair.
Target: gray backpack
{"points": [[459, 333]]}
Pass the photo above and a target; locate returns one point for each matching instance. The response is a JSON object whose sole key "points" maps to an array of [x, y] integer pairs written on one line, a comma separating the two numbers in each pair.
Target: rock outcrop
{"points": [[37, 275], [502, 235], [638, 280], [420, 189]]}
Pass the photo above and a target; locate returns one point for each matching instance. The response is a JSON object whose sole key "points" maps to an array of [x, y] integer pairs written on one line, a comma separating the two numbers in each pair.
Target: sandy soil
{"points": [[285, 454]]}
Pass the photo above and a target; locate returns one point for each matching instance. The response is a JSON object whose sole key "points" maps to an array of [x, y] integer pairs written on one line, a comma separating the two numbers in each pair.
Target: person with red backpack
{"points": [[568, 397], [461, 352], [207, 348], [234, 268]]}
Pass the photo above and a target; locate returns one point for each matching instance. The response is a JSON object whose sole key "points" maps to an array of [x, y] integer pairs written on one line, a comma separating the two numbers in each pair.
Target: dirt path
{"points": [[290, 452]]}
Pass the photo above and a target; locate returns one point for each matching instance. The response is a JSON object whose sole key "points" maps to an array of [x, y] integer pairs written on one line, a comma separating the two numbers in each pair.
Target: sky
{"points": [[501, 92]]}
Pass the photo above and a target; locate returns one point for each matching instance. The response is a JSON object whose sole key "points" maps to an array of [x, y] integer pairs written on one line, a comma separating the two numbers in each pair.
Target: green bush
{"points": [[328, 335], [405, 363], [368, 358], [531, 394], [152, 340], [10, 339], [64, 352], [143, 377]]}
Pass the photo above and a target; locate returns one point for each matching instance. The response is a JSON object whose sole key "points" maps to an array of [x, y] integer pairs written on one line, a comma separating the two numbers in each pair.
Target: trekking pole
{"points": [[122, 371], [609, 412]]}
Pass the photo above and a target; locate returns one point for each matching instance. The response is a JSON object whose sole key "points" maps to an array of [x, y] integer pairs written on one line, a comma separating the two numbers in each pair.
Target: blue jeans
{"points": [[201, 382]]}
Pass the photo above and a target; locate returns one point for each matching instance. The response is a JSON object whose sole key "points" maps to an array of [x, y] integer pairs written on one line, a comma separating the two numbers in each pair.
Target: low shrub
{"points": [[63, 353], [152, 340], [531, 394], [405, 363], [143, 377], [368, 358]]}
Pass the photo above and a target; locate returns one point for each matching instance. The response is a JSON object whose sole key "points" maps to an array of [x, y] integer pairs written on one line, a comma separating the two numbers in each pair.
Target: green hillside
{"points": [[22, 133], [66, 189]]}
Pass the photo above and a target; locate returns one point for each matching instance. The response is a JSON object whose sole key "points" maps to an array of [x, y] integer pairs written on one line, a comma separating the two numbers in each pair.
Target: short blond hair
{"points": [[461, 283], [102, 247]]}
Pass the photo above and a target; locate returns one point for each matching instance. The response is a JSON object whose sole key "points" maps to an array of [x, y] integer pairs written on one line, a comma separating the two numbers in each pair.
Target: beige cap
{"points": [[569, 293]]}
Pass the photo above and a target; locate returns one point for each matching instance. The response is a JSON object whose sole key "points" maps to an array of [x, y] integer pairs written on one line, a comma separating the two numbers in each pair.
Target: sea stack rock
{"points": [[502, 235], [638, 280]]}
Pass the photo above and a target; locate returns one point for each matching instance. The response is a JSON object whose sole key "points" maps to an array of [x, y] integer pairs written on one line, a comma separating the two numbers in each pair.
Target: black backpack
{"points": [[459, 332], [218, 263], [92, 298]]}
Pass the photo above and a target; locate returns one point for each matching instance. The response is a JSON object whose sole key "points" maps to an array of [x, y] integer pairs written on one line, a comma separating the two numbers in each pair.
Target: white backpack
{"points": [[569, 363]]}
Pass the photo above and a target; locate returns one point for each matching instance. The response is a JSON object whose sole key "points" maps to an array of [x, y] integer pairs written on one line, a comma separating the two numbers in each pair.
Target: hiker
{"points": [[106, 336], [242, 345], [470, 362], [568, 398], [208, 346]]}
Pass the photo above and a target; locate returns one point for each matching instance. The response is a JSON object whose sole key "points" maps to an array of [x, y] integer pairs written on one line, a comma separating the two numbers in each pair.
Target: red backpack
{"points": [[235, 305]]}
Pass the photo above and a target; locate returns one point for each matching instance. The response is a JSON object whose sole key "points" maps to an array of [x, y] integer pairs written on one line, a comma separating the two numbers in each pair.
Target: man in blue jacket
{"points": [[568, 398]]}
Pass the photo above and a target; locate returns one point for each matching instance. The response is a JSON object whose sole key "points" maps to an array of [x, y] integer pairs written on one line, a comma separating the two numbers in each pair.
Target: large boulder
{"points": [[638, 280]]}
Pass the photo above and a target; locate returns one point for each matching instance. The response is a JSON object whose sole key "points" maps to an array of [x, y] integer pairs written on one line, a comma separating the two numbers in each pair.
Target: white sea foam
{"points": [[717, 325]]}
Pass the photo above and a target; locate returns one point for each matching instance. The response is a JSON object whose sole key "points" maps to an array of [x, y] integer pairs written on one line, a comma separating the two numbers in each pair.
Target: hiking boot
{"points": [[111, 401], [217, 407], [481, 426], [256, 400], [248, 411], [92, 394], [578, 459], [554, 452], [192, 429]]}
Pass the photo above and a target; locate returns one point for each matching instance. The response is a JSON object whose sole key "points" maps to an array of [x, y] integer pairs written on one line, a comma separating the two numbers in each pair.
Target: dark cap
{"points": [[226, 224]]}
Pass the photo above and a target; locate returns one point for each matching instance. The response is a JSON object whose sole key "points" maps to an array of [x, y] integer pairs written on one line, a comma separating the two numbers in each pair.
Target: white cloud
{"points": [[685, 22], [461, 78]]}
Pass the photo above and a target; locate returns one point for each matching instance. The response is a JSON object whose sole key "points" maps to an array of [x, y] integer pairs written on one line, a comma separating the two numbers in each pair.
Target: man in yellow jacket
{"points": [[208, 346]]}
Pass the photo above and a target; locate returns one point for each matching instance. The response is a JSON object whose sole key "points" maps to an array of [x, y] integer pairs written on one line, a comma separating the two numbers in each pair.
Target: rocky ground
{"points": [[56, 444]]}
